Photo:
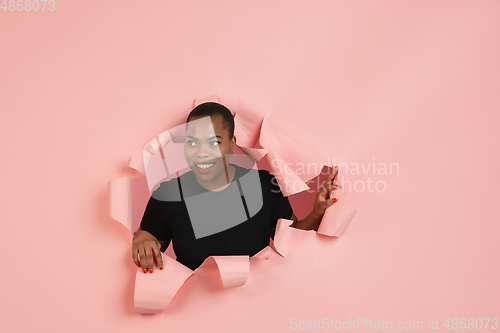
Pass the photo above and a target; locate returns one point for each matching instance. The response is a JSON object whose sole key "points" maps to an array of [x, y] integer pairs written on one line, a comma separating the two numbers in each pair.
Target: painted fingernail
{"points": [[145, 271], [334, 200], [150, 271], [161, 267]]}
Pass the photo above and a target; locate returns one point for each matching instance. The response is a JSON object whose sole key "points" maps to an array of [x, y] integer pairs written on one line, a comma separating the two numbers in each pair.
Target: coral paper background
{"points": [[415, 83]]}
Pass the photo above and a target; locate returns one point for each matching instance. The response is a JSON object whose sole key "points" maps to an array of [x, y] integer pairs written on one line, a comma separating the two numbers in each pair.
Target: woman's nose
{"points": [[202, 151]]}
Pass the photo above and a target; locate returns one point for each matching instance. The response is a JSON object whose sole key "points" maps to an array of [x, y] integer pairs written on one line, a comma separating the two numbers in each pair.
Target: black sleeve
{"points": [[281, 207], [155, 220]]}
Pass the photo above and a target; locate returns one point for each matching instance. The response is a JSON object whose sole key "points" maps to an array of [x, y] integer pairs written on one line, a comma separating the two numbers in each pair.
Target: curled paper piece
{"points": [[157, 143], [257, 154], [120, 201], [233, 270], [137, 163], [338, 216], [264, 254], [282, 236], [247, 128], [153, 292], [284, 175]]}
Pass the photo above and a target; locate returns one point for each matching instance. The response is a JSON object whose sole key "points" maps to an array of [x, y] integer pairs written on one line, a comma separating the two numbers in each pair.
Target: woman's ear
{"points": [[233, 143]]}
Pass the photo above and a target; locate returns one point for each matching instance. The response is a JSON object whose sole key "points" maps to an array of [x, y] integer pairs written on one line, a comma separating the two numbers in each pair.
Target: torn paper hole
{"points": [[153, 292]]}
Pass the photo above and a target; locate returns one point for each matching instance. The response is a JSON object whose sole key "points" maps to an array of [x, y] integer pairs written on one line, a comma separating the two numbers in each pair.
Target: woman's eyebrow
{"points": [[210, 138]]}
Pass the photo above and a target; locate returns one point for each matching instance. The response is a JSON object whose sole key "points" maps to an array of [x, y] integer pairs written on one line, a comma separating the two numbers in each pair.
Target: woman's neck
{"points": [[220, 184]]}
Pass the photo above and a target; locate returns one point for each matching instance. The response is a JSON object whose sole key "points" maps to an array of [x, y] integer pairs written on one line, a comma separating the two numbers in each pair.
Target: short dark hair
{"points": [[214, 109]]}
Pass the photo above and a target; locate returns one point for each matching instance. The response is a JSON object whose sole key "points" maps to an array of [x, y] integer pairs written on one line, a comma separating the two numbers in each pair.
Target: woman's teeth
{"points": [[204, 166]]}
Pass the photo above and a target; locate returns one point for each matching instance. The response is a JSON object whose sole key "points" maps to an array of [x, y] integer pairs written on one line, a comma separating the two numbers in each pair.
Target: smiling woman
{"points": [[223, 208]]}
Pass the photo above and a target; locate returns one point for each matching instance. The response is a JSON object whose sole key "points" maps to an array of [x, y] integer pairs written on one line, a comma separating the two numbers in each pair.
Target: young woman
{"points": [[208, 143]]}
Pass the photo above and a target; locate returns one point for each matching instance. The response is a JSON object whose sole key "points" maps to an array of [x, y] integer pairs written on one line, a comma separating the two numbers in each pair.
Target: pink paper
{"points": [[338, 216], [282, 236], [247, 128], [154, 291], [233, 270], [120, 198], [137, 163]]}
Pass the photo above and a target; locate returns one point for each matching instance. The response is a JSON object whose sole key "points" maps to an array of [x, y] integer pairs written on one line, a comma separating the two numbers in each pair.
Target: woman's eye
{"points": [[191, 143], [215, 143]]}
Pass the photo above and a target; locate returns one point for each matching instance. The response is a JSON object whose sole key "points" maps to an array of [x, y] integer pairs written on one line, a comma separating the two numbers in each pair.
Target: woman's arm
{"points": [[311, 222], [164, 245]]}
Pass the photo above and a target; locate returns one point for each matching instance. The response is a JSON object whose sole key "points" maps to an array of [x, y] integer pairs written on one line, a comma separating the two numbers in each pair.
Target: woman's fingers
{"points": [[157, 252], [333, 174], [145, 255], [323, 199], [330, 186], [149, 257], [326, 187], [142, 256], [149, 252], [135, 256], [336, 171], [330, 180]]}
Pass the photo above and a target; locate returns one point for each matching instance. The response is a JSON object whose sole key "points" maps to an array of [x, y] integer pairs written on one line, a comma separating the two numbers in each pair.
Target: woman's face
{"points": [[207, 149]]}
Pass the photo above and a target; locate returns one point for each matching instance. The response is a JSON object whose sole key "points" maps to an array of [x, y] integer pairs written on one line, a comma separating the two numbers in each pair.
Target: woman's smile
{"points": [[204, 167]]}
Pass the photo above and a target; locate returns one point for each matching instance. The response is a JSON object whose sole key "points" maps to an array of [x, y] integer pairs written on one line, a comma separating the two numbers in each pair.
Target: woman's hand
{"points": [[145, 247], [323, 200]]}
